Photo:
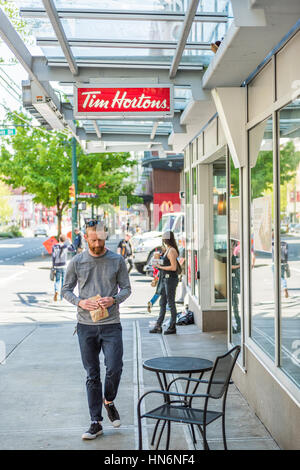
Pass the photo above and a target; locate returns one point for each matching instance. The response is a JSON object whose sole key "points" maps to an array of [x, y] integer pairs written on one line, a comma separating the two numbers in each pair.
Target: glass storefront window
{"points": [[235, 253], [262, 223], [220, 230], [188, 227], [195, 232], [289, 123]]}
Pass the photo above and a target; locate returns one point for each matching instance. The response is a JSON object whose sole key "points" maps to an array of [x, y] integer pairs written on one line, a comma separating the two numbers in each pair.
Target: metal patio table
{"points": [[176, 365]]}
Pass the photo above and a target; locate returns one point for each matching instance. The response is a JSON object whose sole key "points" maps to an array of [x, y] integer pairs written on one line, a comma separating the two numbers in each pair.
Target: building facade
{"points": [[241, 180]]}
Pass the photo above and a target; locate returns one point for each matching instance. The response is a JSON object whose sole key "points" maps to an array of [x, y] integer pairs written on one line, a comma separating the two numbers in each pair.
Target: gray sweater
{"points": [[105, 275]]}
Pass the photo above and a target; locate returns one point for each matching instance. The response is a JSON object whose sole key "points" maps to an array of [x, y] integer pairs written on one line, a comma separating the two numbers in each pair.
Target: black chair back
{"points": [[221, 373]]}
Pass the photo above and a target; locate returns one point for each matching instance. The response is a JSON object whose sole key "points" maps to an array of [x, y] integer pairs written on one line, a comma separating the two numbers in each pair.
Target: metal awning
{"points": [[113, 42]]}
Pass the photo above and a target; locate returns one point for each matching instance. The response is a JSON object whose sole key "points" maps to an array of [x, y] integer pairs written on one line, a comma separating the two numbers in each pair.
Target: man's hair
{"points": [[62, 238], [100, 227]]}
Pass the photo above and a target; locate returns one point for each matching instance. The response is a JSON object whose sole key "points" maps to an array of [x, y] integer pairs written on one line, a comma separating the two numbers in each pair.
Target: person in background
{"points": [[59, 262], [78, 241], [235, 284], [284, 267], [125, 249], [156, 283], [169, 275]]}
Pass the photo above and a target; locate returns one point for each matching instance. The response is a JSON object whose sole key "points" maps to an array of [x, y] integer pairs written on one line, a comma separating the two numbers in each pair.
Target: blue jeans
{"points": [[167, 297], [282, 275], [59, 280], [93, 338]]}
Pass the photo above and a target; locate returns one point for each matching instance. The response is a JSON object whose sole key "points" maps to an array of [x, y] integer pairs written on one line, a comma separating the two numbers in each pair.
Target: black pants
{"points": [[130, 262], [93, 338], [168, 292]]}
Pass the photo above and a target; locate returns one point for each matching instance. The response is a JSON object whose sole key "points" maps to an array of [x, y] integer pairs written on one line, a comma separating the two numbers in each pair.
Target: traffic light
{"points": [[72, 194]]}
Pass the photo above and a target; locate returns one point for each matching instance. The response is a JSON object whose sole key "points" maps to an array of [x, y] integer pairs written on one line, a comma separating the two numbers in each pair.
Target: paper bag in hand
{"points": [[100, 313]]}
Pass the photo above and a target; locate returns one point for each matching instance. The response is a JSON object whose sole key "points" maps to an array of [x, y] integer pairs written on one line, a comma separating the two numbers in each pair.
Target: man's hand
{"points": [[88, 304], [106, 302]]}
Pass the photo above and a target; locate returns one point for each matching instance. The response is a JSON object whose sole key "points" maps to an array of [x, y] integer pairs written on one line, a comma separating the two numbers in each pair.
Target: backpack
{"points": [[185, 318]]}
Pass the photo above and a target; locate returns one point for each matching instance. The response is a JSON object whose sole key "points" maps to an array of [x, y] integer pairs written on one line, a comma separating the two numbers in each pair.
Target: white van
{"points": [[144, 245]]}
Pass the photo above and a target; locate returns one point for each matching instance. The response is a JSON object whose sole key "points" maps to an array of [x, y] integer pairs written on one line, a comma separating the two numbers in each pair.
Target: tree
{"points": [[12, 11], [40, 162], [5, 207], [262, 173]]}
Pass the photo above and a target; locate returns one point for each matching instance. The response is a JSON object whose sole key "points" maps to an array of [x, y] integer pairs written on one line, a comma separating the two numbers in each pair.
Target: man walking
{"points": [[103, 283], [78, 240], [125, 249]]}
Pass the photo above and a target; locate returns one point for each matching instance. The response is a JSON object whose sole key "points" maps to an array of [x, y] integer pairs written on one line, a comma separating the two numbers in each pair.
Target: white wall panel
{"points": [[288, 67], [260, 92], [210, 138]]}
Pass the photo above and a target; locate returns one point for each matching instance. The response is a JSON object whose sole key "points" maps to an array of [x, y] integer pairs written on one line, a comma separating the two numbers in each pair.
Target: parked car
{"points": [[40, 230], [292, 227], [146, 244], [296, 229]]}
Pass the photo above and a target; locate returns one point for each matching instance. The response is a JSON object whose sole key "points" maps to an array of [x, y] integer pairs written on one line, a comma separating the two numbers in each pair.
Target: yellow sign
{"points": [[167, 206]]}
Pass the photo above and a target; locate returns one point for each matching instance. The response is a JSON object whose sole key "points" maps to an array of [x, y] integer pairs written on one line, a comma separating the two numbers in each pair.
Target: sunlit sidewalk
{"points": [[43, 399]]}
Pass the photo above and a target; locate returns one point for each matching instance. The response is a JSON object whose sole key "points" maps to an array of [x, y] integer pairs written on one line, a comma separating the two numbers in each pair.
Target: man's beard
{"points": [[97, 250]]}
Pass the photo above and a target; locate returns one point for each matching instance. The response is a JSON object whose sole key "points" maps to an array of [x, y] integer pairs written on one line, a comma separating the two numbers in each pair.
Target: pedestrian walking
{"points": [[235, 284], [78, 241], [59, 262], [169, 269], [155, 283], [284, 266], [103, 283], [125, 249]]}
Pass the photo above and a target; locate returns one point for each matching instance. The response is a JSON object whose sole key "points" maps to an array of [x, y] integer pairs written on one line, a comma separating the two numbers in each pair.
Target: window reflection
{"points": [[262, 273], [220, 229], [235, 253], [289, 122]]}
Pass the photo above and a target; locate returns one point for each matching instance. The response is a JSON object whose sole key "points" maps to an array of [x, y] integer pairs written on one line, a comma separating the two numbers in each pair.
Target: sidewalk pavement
{"points": [[43, 401]]}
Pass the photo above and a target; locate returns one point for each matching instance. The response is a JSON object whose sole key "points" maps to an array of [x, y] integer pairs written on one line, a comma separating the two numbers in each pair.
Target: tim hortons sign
{"points": [[92, 101]]}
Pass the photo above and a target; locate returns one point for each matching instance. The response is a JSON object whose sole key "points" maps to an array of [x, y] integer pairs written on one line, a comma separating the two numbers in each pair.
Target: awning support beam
{"points": [[188, 21], [60, 34]]}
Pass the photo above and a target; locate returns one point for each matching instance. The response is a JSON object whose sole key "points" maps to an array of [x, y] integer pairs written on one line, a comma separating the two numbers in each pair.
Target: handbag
{"points": [[287, 270], [178, 268], [52, 274]]}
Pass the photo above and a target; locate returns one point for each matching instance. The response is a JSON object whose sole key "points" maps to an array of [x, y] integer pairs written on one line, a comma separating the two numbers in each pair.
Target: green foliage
{"points": [[20, 25], [5, 207], [15, 231], [11, 232], [234, 179], [41, 163], [262, 173], [109, 168]]}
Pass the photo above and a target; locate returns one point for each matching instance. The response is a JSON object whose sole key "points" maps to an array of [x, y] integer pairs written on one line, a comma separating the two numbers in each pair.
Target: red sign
{"points": [[133, 100], [48, 244], [165, 203]]}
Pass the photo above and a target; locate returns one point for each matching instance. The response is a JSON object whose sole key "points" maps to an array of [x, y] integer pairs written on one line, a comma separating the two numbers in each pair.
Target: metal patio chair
{"points": [[181, 410]]}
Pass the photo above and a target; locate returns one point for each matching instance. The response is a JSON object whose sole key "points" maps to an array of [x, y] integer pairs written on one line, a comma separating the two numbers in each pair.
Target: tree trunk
{"points": [[59, 219]]}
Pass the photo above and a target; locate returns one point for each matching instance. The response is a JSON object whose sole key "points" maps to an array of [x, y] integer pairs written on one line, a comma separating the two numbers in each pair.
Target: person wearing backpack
{"points": [[78, 241], [125, 249], [59, 262]]}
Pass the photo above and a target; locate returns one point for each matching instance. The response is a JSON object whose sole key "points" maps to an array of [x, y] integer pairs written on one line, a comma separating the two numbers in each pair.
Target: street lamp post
{"points": [[75, 182]]}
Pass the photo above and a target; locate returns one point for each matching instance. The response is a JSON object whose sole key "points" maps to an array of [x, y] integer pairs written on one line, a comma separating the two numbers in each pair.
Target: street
{"points": [[18, 250]]}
